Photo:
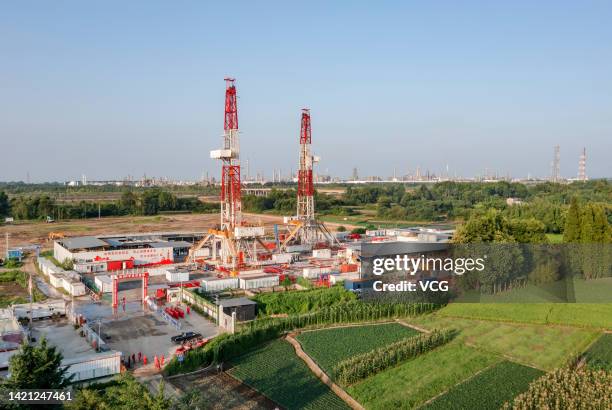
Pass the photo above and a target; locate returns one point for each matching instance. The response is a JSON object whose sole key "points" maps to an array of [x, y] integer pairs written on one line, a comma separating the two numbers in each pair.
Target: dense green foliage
{"points": [[567, 389], [301, 301], [254, 333], [37, 367], [4, 204], [328, 347], [277, 372], [148, 202], [488, 389], [359, 367], [599, 355], [125, 393]]}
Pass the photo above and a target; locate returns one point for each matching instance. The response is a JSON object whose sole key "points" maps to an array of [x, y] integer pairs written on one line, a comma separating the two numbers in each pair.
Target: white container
{"points": [[248, 231], [93, 366], [219, 284], [176, 275], [299, 248], [313, 273], [282, 257], [104, 283], [262, 281], [57, 280], [322, 253], [74, 287]]}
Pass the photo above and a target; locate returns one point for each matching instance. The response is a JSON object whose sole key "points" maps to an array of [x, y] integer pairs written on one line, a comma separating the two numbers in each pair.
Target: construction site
{"points": [[116, 300]]}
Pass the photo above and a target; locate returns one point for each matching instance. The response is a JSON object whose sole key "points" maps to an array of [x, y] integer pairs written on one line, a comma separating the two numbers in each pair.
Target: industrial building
{"points": [[117, 252]]}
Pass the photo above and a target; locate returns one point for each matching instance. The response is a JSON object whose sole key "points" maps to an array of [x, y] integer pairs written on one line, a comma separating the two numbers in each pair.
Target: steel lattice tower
{"points": [[556, 165], [231, 205], [582, 166]]}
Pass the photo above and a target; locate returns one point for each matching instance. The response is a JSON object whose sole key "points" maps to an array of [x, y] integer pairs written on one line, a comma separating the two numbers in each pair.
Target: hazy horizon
{"points": [[114, 89]]}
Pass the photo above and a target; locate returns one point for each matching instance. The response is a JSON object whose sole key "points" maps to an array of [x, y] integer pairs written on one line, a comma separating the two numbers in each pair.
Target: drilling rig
{"points": [[306, 229], [234, 244]]}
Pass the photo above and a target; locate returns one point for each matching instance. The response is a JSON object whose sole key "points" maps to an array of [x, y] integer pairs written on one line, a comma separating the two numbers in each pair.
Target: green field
{"points": [[416, 381], [599, 355], [544, 347], [594, 315], [488, 389], [562, 291], [278, 373], [328, 347]]}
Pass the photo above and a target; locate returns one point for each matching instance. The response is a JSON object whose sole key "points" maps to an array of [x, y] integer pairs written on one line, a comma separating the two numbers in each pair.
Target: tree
{"points": [[128, 201], [4, 204], [572, 231], [37, 367], [341, 228]]}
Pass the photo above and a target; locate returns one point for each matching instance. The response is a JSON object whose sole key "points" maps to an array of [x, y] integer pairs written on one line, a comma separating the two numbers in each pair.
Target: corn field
{"points": [[361, 366], [567, 389]]}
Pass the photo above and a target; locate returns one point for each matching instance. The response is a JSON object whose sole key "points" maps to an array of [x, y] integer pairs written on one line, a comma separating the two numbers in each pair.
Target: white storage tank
{"points": [[218, 284], [104, 283], [177, 275], [261, 281], [322, 253]]}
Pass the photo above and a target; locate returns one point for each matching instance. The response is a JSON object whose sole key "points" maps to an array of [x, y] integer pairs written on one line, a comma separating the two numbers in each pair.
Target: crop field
{"points": [[599, 355], [416, 381], [278, 373], [328, 347], [544, 347], [488, 389], [594, 315]]}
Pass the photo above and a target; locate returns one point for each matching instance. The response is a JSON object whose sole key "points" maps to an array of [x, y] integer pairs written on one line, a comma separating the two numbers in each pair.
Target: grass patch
{"points": [[594, 315], [599, 355], [329, 347], [488, 389], [14, 288], [544, 347], [416, 381], [278, 373]]}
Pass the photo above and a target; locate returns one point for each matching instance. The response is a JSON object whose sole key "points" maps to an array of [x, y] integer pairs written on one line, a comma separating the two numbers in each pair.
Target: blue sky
{"points": [[111, 88]]}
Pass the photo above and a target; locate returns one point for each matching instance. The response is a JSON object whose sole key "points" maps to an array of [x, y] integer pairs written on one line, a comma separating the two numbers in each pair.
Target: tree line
{"points": [[149, 202]]}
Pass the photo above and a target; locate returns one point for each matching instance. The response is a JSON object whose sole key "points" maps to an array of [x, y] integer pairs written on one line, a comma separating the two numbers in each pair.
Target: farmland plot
{"points": [[488, 389], [599, 355], [278, 373], [329, 347]]}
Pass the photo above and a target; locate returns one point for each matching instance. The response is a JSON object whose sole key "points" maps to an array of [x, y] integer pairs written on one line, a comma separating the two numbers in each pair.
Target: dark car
{"points": [[185, 337]]}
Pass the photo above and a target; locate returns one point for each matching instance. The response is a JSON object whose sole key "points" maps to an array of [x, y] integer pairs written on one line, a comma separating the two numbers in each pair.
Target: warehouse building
{"points": [[113, 252]]}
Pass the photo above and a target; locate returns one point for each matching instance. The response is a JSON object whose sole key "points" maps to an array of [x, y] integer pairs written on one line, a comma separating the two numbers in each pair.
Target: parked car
{"points": [[184, 337]]}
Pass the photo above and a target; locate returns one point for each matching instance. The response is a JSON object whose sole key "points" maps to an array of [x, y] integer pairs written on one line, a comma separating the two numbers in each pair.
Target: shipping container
{"points": [[283, 257], [313, 273], [218, 284], [322, 253], [104, 283], [348, 267], [262, 281], [57, 280], [177, 275], [93, 366]]}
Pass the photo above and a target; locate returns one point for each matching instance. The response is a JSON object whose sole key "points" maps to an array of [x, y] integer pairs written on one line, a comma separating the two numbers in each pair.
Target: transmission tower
{"points": [[582, 166], [556, 165]]}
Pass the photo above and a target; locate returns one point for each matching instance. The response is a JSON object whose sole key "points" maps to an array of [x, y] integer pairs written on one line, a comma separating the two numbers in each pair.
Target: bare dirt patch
{"points": [[223, 391]]}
